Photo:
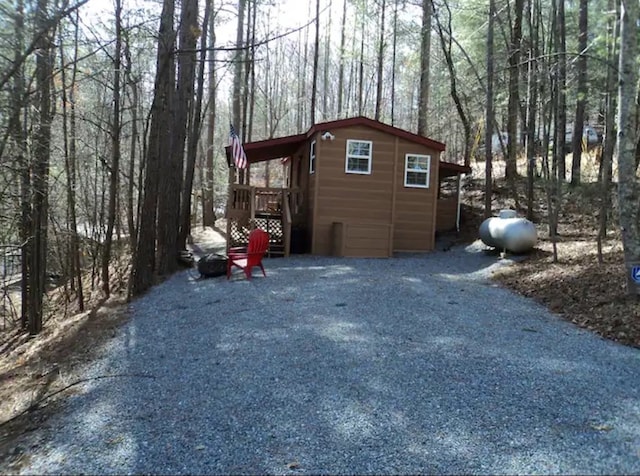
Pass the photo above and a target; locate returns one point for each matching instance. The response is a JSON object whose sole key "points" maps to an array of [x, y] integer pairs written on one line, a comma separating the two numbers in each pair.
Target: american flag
{"points": [[239, 157]]}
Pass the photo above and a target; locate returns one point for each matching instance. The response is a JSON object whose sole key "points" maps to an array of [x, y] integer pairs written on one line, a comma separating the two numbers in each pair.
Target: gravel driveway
{"points": [[416, 364]]}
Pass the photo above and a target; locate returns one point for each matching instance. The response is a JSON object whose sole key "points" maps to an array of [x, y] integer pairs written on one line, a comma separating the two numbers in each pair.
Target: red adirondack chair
{"points": [[247, 258]]}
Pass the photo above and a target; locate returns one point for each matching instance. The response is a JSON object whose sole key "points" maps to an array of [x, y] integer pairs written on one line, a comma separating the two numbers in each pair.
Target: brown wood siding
{"points": [[378, 200], [447, 214], [415, 207], [310, 196], [362, 240], [353, 198]]}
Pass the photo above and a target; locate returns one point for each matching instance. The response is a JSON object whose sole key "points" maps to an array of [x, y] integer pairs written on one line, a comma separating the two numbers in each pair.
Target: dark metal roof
{"points": [[447, 169], [273, 148], [270, 149]]}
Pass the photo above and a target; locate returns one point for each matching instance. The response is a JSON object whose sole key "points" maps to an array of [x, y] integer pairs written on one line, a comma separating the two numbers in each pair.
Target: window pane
{"points": [[416, 178], [359, 148], [358, 164], [417, 163]]}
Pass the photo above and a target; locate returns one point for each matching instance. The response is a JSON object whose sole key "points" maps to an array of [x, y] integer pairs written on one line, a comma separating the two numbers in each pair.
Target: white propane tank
{"points": [[507, 231]]}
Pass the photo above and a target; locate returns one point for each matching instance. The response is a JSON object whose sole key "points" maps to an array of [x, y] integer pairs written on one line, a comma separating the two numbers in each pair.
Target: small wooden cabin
{"points": [[355, 187]]}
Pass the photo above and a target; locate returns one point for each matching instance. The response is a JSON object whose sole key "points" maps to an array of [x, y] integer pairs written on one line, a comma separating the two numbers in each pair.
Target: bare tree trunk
{"points": [[169, 245], [132, 85], [69, 133], [301, 75], [115, 152], [19, 137], [325, 72], [378, 109], [605, 172], [361, 64], [581, 101], [425, 67], [249, 75], [40, 171], [237, 79], [551, 187], [628, 187], [532, 104], [208, 212], [144, 262], [252, 65], [511, 170], [194, 133], [316, 52], [342, 59], [489, 116], [237, 75], [393, 61], [561, 111]]}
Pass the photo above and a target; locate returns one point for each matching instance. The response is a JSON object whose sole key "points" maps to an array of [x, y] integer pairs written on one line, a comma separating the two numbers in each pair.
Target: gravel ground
{"points": [[416, 364]]}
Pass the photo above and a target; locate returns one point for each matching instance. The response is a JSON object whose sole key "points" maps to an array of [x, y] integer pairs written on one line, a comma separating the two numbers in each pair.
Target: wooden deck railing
{"points": [[246, 202], [269, 200], [245, 198]]}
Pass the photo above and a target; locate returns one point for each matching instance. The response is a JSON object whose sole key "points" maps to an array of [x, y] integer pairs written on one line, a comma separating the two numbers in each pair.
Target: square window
{"points": [[359, 154], [417, 171]]}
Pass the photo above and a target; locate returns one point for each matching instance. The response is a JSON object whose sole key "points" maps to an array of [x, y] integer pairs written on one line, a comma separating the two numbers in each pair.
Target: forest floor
{"points": [[577, 287], [35, 371]]}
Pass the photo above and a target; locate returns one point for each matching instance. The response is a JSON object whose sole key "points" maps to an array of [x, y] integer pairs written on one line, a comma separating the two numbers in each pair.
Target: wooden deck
{"points": [[266, 208]]}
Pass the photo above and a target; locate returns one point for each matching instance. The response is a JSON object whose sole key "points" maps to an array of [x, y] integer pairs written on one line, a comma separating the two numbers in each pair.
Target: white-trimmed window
{"points": [[359, 153], [312, 158], [417, 170]]}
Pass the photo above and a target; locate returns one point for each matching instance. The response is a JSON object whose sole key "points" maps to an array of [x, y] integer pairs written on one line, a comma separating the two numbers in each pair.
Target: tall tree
{"points": [[511, 169], [489, 115], [378, 107], [361, 60], [342, 58], [115, 151], [581, 101], [326, 95], [532, 102], [133, 85], [249, 95], [19, 136], [144, 261], [194, 127], [316, 53], [70, 154], [628, 186], [560, 42], [236, 111], [394, 56], [605, 174], [208, 212], [172, 177], [425, 66], [40, 170]]}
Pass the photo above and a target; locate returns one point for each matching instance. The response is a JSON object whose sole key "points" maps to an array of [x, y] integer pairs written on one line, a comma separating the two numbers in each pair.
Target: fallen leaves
{"points": [[589, 294]]}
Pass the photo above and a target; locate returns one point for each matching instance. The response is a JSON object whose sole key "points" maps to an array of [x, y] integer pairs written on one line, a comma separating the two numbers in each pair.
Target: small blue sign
{"points": [[635, 274]]}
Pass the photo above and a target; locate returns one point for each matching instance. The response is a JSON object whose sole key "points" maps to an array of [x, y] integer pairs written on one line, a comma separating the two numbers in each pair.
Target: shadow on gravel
{"points": [[415, 364]]}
